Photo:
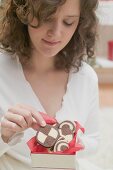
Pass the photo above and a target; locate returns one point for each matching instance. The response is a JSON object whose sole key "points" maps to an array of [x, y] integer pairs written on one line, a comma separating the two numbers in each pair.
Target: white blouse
{"points": [[80, 103]]}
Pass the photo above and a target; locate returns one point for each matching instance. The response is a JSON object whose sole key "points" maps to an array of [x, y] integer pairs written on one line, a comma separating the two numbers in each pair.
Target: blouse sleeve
{"points": [[4, 147], [90, 139]]}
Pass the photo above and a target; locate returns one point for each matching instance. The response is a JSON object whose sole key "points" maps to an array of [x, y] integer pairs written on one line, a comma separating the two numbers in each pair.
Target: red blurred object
{"points": [[110, 50]]}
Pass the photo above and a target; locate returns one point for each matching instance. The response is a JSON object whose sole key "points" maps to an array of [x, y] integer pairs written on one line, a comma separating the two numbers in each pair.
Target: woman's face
{"points": [[55, 33]]}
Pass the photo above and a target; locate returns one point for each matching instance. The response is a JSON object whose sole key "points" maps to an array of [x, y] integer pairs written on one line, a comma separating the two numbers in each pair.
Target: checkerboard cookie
{"points": [[47, 136]]}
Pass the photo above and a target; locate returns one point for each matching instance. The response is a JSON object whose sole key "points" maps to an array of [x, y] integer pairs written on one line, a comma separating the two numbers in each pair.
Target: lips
{"points": [[50, 43]]}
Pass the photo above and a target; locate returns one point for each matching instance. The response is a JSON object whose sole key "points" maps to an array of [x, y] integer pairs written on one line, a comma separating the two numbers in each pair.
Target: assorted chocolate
{"points": [[56, 137]]}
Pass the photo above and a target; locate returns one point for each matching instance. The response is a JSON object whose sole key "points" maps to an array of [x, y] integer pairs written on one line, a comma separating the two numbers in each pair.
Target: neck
{"points": [[41, 64]]}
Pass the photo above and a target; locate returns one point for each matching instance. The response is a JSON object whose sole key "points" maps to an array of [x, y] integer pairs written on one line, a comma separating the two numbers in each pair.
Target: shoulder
{"points": [[7, 63], [86, 73], [4, 57]]}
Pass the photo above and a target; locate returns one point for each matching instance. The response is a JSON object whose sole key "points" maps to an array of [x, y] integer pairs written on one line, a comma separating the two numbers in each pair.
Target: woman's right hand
{"points": [[19, 118]]}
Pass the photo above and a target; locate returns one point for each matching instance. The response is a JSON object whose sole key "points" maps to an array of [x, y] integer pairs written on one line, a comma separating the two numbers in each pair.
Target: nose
{"points": [[55, 29]]}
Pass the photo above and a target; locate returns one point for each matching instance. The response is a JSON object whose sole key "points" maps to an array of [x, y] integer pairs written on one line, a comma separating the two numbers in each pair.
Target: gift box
{"points": [[53, 161], [43, 157]]}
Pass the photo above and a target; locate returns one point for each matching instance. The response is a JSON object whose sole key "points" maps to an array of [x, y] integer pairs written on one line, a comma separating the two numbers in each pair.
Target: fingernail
{"points": [[43, 123]]}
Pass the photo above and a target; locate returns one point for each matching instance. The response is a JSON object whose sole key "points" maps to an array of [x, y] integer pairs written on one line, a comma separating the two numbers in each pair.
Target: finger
{"points": [[10, 126], [35, 126], [48, 119], [17, 119], [25, 113], [35, 114]]}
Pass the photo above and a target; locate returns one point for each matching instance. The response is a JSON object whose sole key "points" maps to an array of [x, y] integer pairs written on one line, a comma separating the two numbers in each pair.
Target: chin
{"points": [[50, 54]]}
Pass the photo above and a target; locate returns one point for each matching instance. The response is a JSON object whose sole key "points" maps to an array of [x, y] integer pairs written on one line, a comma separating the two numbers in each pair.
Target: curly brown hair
{"points": [[14, 37]]}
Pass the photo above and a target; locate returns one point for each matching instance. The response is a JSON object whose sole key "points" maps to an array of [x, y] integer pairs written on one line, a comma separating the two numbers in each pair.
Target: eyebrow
{"points": [[72, 16]]}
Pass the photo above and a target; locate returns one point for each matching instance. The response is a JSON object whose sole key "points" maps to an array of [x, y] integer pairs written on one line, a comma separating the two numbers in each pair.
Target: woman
{"points": [[42, 69]]}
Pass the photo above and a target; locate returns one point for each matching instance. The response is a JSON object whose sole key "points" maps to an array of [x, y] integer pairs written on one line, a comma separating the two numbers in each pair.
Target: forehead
{"points": [[70, 7]]}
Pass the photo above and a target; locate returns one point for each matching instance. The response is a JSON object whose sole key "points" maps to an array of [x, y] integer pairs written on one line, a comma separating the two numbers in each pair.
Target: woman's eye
{"points": [[68, 24], [48, 20]]}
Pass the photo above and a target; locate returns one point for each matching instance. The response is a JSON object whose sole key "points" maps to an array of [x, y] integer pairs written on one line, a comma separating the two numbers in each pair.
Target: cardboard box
{"points": [[52, 161]]}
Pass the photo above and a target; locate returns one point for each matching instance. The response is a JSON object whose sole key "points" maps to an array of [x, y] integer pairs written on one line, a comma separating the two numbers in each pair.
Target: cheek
{"points": [[68, 35], [70, 31], [31, 32], [34, 34]]}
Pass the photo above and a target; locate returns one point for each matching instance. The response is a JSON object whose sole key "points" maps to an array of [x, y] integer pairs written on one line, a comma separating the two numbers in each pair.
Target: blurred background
{"points": [[104, 52], [103, 65]]}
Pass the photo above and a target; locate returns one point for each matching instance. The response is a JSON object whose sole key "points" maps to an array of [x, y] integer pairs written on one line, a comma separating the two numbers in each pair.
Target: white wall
{"points": [[105, 12]]}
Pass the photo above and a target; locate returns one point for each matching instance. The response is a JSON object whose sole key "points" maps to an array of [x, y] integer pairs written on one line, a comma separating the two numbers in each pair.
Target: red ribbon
{"points": [[73, 146]]}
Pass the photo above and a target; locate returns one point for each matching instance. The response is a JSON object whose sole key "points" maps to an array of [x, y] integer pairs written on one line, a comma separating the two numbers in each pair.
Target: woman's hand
{"points": [[19, 118]]}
